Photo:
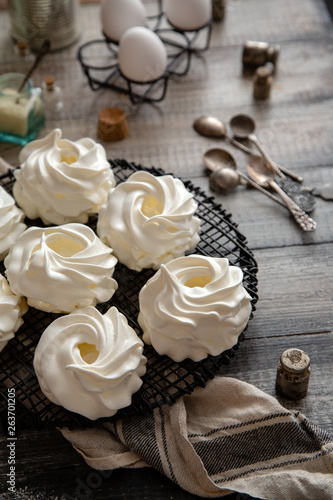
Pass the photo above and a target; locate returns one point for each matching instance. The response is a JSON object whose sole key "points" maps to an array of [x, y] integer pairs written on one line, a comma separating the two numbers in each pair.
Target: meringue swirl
{"points": [[12, 308], [62, 268], [62, 181], [11, 225], [90, 363], [194, 306], [149, 220]]}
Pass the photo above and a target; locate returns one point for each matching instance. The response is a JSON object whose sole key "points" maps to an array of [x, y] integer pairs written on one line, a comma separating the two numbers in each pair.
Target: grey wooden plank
{"points": [[265, 223], [274, 21], [295, 291], [256, 362], [54, 470]]}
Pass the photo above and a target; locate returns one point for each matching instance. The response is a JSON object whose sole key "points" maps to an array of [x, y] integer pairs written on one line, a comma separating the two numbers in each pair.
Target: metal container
{"points": [[293, 374], [262, 82], [257, 54], [33, 21], [219, 8]]}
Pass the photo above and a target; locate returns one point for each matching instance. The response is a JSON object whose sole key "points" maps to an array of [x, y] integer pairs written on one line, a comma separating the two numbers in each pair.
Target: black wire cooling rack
{"points": [[165, 380]]}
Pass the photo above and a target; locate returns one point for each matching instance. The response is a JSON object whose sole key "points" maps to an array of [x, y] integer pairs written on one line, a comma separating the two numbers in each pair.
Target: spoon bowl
{"points": [[224, 168], [226, 175], [242, 126], [225, 178], [261, 172], [217, 158], [209, 126]]}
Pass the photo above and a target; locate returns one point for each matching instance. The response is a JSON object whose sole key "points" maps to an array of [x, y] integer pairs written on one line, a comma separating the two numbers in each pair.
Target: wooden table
{"points": [[295, 125]]}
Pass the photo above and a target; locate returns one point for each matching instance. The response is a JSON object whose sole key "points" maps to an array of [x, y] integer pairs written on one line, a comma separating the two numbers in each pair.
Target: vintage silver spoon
{"points": [[223, 167], [325, 192], [262, 173], [210, 126], [225, 173], [243, 127]]}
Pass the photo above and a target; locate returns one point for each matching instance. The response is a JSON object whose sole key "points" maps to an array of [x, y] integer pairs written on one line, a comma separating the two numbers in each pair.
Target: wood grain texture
{"points": [[54, 470], [295, 125]]}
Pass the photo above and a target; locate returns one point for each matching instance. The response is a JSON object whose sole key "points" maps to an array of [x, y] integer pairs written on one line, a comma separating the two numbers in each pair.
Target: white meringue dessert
{"points": [[194, 306], [149, 220], [61, 268], [11, 222], [62, 181], [12, 308], [90, 363]]}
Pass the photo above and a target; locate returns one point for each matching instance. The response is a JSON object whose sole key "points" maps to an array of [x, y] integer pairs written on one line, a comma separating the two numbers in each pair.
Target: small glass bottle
{"points": [[52, 97], [24, 59], [21, 113]]}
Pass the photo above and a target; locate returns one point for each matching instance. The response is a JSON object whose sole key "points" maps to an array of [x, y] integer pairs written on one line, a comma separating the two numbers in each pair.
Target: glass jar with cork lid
{"points": [[53, 97]]}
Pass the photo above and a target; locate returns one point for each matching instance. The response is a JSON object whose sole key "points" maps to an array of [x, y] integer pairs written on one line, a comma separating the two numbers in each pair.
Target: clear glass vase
{"points": [[21, 113]]}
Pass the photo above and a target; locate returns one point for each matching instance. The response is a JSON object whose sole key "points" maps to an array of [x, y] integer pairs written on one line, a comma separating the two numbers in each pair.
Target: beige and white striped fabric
{"points": [[227, 437]]}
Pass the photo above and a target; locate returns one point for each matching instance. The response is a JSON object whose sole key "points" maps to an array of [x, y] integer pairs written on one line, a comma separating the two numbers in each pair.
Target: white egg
{"points": [[188, 15], [117, 16], [142, 56]]}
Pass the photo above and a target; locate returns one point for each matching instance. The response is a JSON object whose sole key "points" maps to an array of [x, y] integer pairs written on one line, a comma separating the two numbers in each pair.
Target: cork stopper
{"points": [[49, 82], [22, 48], [293, 374], [112, 124]]}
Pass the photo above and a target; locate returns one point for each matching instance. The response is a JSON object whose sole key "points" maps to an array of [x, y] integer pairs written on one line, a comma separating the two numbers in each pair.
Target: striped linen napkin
{"points": [[227, 437]]}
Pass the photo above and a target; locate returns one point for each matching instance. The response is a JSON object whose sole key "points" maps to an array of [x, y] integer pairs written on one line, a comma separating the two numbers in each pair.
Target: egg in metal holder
{"points": [[117, 16], [137, 64], [191, 17], [147, 58]]}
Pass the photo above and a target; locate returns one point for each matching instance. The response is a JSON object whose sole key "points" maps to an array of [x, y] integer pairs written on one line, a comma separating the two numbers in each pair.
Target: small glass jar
{"points": [[21, 113], [52, 95], [24, 58]]}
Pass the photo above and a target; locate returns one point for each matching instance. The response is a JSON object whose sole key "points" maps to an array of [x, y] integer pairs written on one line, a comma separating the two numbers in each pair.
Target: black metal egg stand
{"points": [[182, 50]]}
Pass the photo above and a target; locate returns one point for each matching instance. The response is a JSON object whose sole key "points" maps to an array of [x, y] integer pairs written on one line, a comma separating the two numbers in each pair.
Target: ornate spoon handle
{"points": [[302, 218], [269, 160], [306, 223], [247, 150]]}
